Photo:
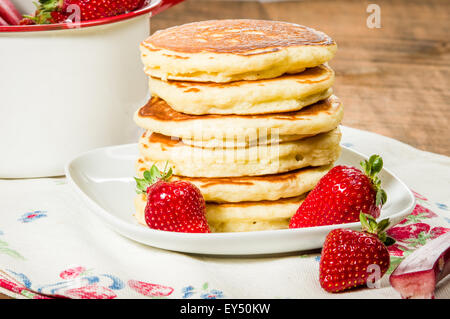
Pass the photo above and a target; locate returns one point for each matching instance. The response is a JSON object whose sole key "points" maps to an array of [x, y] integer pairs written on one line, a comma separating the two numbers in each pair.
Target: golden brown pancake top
{"points": [[309, 76], [243, 37], [159, 110]]}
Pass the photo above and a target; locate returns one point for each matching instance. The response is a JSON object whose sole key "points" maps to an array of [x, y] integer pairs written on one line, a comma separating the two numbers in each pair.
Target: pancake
{"points": [[282, 94], [232, 50], [240, 217], [158, 116], [248, 141], [185, 160], [253, 188]]}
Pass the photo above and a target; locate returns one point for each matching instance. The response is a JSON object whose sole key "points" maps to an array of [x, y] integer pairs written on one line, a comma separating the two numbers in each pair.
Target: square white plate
{"points": [[104, 179]]}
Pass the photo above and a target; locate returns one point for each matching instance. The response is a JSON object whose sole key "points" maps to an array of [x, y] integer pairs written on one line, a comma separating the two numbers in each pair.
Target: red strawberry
{"points": [[97, 9], [341, 195], [349, 258], [172, 206], [87, 9], [58, 17], [27, 21]]}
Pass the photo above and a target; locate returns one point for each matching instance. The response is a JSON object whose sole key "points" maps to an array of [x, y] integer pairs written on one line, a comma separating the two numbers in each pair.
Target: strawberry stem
{"points": [[371, 168], [150, 177], [44, 9], [370, 226]]}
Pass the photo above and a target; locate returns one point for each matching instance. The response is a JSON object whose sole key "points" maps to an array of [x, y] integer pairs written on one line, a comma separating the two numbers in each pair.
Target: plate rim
{"points": [[110, 218]]}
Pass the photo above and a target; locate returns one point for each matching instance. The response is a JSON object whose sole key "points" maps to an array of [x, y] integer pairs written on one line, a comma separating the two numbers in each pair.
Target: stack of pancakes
{"points": [[244, 110]]}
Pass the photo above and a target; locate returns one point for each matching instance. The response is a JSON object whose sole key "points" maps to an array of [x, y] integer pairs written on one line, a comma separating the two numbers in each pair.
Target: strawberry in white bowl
{"points": [[90, 82], [57, 11]]}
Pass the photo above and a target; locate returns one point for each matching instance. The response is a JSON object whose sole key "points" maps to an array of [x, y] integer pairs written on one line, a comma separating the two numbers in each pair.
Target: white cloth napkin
{"points": [[52, 244]]}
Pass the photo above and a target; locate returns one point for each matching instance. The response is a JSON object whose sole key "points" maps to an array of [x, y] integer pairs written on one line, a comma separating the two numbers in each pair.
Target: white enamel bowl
{"points": [[66, 90]]}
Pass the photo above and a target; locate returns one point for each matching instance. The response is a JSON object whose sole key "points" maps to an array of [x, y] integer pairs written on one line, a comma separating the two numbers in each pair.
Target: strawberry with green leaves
{"points": [[351, 258], [341, 194], [57, 11], [176, 206]]}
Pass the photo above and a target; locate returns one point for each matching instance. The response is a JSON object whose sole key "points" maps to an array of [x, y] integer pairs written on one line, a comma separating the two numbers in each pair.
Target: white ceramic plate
{"points": [[104, 179]]}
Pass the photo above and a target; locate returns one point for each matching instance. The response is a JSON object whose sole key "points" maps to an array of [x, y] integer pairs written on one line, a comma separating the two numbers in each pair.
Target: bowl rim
{"points": [[151, 6]]}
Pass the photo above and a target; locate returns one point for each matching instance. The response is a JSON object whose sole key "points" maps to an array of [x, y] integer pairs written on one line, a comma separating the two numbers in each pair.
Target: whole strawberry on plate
{"points": [[57, 11], [352, 258], [341, 195], [176, 206]]}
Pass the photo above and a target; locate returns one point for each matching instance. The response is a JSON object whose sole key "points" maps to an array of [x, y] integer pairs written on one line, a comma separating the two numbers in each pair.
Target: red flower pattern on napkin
{"points": [[79, 282]]}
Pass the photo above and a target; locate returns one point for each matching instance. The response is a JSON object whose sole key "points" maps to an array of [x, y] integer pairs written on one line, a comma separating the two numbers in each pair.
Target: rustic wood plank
{"points": [[393, 80]]}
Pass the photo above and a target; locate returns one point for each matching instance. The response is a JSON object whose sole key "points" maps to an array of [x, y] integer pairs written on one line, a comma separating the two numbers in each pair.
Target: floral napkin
{"points": [[52, 245]]}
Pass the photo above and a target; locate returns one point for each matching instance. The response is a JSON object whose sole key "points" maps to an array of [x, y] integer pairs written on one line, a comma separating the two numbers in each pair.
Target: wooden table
{"points": [[393, 80]]}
